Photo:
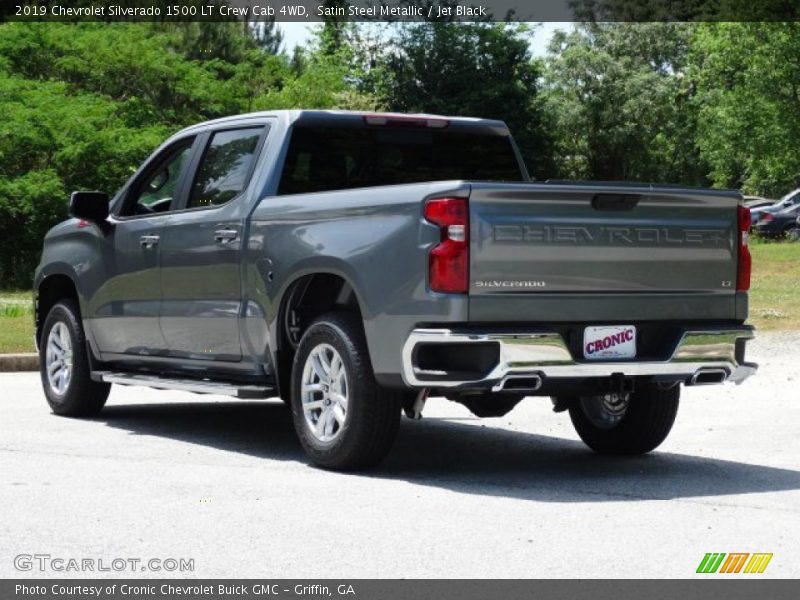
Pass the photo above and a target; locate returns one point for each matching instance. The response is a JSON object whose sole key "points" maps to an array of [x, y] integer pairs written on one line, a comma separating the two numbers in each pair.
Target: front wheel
{"points": [[64, 365], [343, 419], [633, 423]]}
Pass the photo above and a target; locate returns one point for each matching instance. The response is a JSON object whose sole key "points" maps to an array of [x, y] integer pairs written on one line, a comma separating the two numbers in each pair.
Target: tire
{"points": [[75, 394], [358, 433], [643, 425]]}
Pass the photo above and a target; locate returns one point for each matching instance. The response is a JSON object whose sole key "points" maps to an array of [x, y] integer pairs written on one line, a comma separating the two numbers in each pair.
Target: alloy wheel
{"points": [[324, 393], [58, 358]]}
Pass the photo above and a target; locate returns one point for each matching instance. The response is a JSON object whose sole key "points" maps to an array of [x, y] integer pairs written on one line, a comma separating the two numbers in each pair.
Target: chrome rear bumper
{"points": [[701, 356]]}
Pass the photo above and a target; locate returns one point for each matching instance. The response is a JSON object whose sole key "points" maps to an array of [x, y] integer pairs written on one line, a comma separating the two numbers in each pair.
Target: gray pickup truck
{"points": [[354, 264]]}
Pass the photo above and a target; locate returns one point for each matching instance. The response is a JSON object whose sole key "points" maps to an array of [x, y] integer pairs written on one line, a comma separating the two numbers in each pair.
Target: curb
{"points": [[18, 362]]}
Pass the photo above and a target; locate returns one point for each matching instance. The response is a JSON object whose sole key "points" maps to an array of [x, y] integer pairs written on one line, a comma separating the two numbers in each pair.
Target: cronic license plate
{"points": [[609, 341]]}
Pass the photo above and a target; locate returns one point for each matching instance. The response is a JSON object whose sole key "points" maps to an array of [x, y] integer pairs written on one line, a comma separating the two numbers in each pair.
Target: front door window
{"points": [[156, 192]]}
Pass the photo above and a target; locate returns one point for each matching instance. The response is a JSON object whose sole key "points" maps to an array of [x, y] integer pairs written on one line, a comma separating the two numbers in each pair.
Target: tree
{"points": [[336, 30], [324, 75], [84, 103], [268, 36], [748, 97], [53, 140], [620, 105], [128, 63]]}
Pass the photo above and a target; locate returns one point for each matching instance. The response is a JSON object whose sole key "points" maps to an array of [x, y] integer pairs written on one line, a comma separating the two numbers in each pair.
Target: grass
{"points": [[775, 286], [774, 297], [16, 322]]}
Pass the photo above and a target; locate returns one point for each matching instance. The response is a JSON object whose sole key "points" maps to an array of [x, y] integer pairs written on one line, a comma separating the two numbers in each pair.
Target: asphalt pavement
{"points": [[167, 475]]}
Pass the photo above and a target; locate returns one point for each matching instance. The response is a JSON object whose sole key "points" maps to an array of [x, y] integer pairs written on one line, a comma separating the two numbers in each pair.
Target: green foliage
{"points": [[52, 141], [323, 78], [748, 97], [619, 104], [30, 203], [133, 64], [14, 311], [84, 104], [79, 113]]}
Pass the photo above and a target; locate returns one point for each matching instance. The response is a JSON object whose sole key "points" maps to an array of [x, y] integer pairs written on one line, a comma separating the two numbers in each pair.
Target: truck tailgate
{"points": [[555, 252]]}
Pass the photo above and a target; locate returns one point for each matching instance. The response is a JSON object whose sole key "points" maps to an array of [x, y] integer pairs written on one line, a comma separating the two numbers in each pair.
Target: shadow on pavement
{"points": [[466, 458]]}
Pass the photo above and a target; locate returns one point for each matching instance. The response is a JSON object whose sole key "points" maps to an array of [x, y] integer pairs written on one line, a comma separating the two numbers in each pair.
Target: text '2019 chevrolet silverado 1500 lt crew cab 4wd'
{"points": [[356, 263]]}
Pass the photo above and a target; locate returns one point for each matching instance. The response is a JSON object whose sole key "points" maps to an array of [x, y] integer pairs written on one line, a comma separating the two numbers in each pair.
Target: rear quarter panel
{"points": [[375, 238]]}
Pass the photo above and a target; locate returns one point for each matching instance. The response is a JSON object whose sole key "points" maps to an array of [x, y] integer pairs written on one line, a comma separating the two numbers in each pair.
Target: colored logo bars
{"points": [[735, 562]]}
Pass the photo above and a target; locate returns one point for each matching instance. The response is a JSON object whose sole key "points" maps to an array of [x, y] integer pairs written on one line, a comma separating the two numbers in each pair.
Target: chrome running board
{"points": [[197, 386]]}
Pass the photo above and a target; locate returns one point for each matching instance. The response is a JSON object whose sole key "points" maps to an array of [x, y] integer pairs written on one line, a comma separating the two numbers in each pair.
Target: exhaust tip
{"points": [[709, 377], [519, 383]]}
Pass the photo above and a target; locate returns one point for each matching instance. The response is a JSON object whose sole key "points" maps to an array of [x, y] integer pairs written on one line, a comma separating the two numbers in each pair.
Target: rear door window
{"points": [[225, 167]]}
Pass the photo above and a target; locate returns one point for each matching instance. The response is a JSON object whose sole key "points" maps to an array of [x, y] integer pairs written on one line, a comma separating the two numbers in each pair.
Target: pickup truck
{"points": [[355, 264]]}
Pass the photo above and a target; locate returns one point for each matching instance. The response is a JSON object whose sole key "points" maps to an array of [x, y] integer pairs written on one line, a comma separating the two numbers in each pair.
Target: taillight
{"points": [[766, 218], [448, 263], [744, 265]]}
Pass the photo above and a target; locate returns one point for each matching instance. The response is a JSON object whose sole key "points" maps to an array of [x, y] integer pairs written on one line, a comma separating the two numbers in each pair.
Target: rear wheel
{"points": [[64, 365], [343, 419], [633, 423]]}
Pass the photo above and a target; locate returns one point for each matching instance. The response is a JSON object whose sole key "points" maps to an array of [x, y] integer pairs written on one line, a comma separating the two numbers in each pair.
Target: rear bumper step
{"points": [[196, 386], [700, 357]]}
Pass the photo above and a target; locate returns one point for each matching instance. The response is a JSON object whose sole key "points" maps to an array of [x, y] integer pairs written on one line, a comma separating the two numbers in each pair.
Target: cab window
{"points": [[225, 167]]}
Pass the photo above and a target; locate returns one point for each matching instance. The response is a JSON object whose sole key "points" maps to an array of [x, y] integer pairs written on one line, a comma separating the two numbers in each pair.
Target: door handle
{"points": [[148, 241], [225, 235]]}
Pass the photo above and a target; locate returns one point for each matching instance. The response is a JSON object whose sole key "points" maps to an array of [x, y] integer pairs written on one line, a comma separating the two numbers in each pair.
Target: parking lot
{"points": [[173, 475]]}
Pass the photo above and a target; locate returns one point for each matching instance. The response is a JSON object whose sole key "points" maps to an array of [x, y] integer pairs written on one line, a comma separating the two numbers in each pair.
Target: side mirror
{"points": [[89, 206]]}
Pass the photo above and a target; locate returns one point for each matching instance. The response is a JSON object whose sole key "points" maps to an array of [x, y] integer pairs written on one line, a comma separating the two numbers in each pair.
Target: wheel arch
{"points": [[50, 289], [306, 297]]}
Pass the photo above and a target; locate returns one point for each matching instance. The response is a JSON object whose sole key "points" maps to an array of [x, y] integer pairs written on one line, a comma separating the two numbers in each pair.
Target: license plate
{"points": [[609, 341]]}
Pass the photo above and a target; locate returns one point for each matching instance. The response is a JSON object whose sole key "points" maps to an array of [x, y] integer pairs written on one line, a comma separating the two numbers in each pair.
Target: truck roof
{"points": [[295, 115]]}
